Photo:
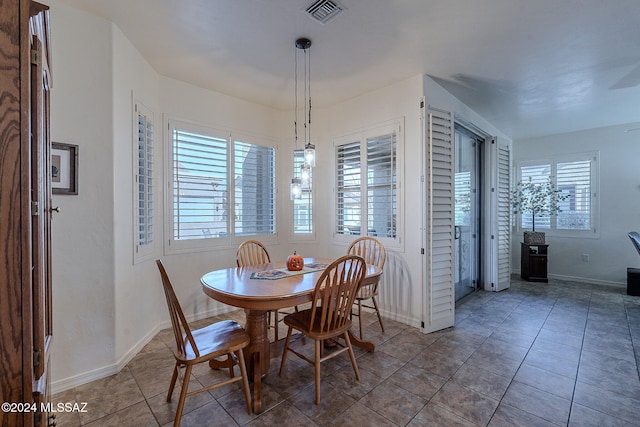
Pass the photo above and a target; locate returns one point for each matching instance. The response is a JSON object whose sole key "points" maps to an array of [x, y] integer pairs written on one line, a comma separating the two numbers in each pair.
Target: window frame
{"points": [[594, 158], [231, 240], [295, 165], [144, 252], [362, 136]]}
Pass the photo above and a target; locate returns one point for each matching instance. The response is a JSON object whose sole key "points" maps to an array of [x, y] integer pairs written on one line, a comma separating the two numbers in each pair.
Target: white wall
{"points": [[82, 233], [400, 287], [139, 303], [611, 252]]}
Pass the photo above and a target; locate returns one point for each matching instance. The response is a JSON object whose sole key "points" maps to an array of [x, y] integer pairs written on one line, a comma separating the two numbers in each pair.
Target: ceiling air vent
{"points": [[324, 10]]}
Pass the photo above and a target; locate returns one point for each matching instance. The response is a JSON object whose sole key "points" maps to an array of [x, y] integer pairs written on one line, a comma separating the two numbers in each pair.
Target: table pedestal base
{"points": [[257, 355]]}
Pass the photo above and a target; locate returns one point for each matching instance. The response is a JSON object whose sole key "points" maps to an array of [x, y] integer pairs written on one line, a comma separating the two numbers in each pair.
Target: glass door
{"points": [[467, 215]]}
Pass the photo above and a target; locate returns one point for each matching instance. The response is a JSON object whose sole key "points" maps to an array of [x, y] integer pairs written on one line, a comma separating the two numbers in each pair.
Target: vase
{"points": [[534, 237]]}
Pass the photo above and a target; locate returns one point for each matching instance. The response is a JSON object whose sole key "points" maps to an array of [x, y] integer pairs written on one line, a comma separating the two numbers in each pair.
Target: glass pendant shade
{"points": [[310, 155], [305, 175], [296, 188]]}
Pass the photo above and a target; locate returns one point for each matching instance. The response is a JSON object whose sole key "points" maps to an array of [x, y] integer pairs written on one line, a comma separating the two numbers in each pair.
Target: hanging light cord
{"points": [[295, 73], [309, 82]]}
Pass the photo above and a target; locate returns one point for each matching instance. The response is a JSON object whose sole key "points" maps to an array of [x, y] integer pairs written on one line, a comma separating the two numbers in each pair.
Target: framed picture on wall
{"points": [[64, 168]]}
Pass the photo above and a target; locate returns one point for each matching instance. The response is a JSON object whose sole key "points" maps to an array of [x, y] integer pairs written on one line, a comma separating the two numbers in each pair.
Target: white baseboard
{"points": [[579, 279], [112, 369], [587, 280]]}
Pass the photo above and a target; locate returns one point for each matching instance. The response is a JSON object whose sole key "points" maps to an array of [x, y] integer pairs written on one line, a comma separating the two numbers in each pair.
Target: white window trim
{"points": [[397, 126], [146, 252], [232, 241], [594, 157]]}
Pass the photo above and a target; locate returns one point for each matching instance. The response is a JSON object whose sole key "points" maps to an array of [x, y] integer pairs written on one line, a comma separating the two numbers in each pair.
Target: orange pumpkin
{"points": [[295, 262]]}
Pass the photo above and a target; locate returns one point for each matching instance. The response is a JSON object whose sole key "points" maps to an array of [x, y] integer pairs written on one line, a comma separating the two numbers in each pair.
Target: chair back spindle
{"points": [[181, 330], [370, 249], [252, 252], [335, 292]]}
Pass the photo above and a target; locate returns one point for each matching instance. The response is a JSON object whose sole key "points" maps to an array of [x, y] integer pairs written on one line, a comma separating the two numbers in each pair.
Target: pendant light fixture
{"points": [[309, 149], [305, 174], [296, 188], [309, 153]]}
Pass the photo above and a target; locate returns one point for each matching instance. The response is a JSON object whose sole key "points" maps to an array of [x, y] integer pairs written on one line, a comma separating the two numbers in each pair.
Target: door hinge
{"points": [[37, 357], [35, 57], [422, 325], [35, 209], [421, 104], [421, 251]]}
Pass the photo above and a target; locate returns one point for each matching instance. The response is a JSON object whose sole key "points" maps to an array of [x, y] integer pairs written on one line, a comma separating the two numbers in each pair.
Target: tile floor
{"points": [[562, 353]]}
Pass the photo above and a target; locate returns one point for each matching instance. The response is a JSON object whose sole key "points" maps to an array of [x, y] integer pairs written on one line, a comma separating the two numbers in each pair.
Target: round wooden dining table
{"points": [[255, 289]]}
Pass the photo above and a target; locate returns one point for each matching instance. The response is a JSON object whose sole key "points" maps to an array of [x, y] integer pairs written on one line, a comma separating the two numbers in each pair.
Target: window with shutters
{"points": [[303, 206], [144, 183], [574, 176], [366, 184], [221, 186]]}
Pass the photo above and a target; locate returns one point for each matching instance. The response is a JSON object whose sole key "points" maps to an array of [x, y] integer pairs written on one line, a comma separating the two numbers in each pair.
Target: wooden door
{"points": [[40, 188], [40, 191], [25, 214]]}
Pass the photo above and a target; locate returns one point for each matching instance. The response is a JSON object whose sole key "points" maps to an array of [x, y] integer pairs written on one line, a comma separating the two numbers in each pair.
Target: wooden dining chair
{"points": [[373, 253], [329, 315], [202, 345], [252, 252]]}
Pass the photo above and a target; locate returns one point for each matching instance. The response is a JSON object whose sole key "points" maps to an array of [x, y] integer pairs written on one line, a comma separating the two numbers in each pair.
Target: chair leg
{"points": [[231, 363], [360, 317], [174, 377], [316, 365], [352, 356], [285, 350], [375, 305], [183, 395], [245, 379], [257, 383], [276, 323]]}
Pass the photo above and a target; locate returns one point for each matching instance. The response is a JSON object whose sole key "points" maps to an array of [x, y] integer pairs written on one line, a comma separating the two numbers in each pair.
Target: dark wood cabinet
{"points": [[25, 212], [533, 262]]}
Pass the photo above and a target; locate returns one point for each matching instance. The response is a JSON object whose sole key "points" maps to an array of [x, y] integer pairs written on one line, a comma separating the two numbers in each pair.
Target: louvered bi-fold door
{"points": [[440, 303], [502, 236]]}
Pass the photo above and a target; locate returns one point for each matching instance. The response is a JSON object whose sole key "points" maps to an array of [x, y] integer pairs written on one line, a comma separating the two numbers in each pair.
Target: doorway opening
{"points": [[468, 148]]}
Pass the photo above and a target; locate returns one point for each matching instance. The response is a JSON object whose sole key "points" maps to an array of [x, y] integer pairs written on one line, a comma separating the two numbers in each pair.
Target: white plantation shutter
{"points": [[498, 265], [221, 186], [575, 176], [381, 184], [144, 178], [349, 189], [366, 194], [200, 190], [254, 177], [440, 220], [574, 179], [504, 217], [143, 170]]}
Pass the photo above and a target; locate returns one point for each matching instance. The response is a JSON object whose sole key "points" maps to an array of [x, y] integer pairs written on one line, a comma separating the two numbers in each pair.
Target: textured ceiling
{"points": [[530, 67]]}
